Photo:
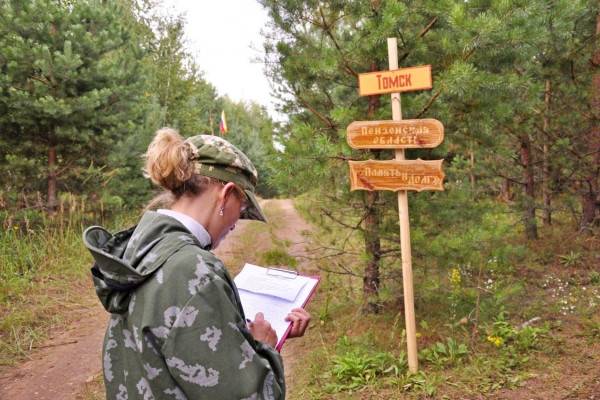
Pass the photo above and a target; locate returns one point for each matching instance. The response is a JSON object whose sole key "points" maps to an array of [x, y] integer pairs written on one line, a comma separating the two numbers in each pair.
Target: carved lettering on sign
{"points": [[399, 80], [397, 175], [404, 134]]}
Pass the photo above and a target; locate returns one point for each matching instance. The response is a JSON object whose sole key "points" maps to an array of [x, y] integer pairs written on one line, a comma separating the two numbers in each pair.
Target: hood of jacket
{"points": [[125, 260]]}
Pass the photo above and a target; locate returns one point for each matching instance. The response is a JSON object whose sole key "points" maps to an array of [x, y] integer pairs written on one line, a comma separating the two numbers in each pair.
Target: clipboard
{"points": [[271, 291]]}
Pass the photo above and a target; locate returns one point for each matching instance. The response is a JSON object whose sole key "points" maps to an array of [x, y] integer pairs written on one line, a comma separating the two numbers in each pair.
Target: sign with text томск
{"points": [[395, 81], [397, 175], [404, 134]]}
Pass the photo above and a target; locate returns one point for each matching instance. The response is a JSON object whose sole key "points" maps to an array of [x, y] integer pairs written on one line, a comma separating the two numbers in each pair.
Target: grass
{"points": [[93, 389], [551, 286], [260, 245], [350, 355], [41, 272], [44, 281], [278, 257], [363, 356]]}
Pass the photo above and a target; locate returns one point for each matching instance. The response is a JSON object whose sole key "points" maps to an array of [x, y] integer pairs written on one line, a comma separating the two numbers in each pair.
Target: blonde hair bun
{"points": [[168, 161]]}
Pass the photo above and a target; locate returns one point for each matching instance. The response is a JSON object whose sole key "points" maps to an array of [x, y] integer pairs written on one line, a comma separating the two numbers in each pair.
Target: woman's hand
{"points": [[261, 330], [300, 319]]}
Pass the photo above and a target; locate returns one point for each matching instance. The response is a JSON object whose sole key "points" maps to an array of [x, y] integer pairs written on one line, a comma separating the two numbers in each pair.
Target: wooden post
{"points": [[407, 275]]}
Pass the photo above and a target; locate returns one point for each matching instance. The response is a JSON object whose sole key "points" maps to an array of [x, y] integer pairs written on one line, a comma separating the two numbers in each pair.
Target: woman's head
{"points": [[204, 176]]}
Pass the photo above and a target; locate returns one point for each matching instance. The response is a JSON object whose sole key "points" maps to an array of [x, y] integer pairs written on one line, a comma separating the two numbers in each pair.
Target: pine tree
{"points": [[188, 102], [251, 130], [69, 85], [491, 61], [174, 94], [315, 52], [591, 193]]}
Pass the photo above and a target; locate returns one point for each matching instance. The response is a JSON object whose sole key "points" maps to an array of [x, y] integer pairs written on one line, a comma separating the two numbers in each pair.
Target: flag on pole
{"points": [[223, 124]]}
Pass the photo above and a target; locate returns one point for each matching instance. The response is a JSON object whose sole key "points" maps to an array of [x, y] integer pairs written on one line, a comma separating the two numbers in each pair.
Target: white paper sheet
{"points": [[257, 279], [275, 309]]}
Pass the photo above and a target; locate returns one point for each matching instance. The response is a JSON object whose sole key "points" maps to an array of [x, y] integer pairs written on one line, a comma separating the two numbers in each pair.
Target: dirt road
{"points": [[72, 357]]}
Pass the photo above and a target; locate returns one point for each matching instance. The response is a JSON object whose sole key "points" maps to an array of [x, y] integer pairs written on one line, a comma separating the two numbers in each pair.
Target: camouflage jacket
{"points": [[177, 329]]}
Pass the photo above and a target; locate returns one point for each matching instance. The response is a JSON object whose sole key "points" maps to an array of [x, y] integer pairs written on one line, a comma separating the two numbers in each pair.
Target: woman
{"points": [[177, 329]]}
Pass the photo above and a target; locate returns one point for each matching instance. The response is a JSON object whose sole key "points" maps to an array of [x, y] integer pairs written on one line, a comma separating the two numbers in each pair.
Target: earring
{"points": [[221, 211]]}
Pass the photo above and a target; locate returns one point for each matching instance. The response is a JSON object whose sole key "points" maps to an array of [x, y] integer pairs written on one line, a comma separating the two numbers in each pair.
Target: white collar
{"points": [[191, 224]]}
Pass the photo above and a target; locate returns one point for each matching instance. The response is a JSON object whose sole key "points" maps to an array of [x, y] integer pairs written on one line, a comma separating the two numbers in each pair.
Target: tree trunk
{"points": [[506, 191], [51, 200], [529, 196], [373, 250], [590, 198], [546, 198], [472, 167], [372, 236]]}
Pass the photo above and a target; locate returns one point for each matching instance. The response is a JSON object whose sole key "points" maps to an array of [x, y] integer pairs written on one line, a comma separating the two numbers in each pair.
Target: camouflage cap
{"points": [[217, 158]]}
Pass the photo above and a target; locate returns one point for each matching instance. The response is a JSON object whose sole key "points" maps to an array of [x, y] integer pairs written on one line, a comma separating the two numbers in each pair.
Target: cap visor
{"points": [[253, 211]]}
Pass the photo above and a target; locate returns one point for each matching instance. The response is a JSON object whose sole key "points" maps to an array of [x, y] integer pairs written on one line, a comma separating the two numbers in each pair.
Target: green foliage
{"points": [[251, 130], [594, 277], [505, 335], [71, 83], [94, 81], [491, 62], [592, 330], [31, 256], [177, 95], [174, 94], [420, 382], [278, 257], [357, 368], [187, 101], [445, 354], [509, 281], [572, 259]]}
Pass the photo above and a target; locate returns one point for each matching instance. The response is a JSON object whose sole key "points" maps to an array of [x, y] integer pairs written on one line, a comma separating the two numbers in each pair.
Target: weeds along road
{"points": [[69, 365]]}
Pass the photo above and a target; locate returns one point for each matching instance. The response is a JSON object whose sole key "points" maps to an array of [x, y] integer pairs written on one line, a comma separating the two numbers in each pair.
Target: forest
{"points": [[506, 259]]}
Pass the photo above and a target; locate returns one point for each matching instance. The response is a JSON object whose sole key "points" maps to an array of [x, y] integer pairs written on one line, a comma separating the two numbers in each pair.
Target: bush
{"points": [[278, 257], [503, 334], [445, 354], [357, 368]]}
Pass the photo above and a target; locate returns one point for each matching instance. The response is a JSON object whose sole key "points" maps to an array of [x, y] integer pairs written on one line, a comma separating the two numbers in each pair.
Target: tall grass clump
{"points": [[43, 273]]}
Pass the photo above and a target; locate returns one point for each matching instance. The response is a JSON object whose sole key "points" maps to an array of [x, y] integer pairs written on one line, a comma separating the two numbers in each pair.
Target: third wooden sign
{"points": [[396, 175]]}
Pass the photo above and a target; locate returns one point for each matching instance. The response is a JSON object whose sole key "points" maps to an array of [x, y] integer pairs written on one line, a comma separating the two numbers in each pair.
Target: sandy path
{"points": [[292, 230], [61, 367]]}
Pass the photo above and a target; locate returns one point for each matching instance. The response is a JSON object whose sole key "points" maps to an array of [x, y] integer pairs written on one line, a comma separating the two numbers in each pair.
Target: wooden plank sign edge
{"points": [[360, 183], [414, 142], [364, 78]]}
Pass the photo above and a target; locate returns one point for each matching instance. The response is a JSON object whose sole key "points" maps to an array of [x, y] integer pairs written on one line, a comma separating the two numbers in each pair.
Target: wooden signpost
{"points": [[399, 174]]}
